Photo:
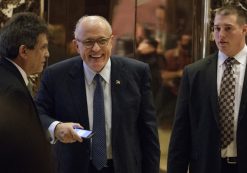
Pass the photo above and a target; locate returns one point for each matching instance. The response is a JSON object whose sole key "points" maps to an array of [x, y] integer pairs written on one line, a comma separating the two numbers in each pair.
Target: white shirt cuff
{"points": [[51, 130]]}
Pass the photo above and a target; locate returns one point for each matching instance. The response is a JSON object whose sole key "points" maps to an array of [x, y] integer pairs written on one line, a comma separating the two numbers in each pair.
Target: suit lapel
{"points": [[243, 98], [212, 83], [12, 69], [15, 72], [20, 82], [78, 92], [118, 82]]}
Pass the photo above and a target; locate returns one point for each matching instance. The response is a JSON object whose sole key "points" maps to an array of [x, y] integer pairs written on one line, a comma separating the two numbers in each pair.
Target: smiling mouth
{"points": [[96, 57]]}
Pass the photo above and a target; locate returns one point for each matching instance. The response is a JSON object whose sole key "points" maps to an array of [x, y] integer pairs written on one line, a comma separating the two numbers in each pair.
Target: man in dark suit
{"points": [[66, 101], [23, 51], [206, 104]]}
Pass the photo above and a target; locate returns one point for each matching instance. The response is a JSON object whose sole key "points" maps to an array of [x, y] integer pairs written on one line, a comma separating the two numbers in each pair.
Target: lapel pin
{"points": [[118, 82]]}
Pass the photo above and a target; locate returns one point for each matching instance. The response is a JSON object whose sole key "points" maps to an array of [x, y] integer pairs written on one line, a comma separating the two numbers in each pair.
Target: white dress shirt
{"points": [[90, 87], [239, 68]]}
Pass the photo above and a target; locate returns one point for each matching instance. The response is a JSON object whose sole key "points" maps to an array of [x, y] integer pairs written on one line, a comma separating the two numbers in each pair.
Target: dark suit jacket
{"points": [[135, 145], [195, 140], [23, 146]]}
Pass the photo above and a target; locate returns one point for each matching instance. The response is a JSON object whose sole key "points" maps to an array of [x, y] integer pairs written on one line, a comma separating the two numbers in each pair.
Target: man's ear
{"points": [[245, 29], [23, 51], [111, 39], [75, 45]]}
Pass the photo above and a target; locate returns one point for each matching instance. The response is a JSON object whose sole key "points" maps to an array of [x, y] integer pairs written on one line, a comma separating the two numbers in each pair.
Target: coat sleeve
{"points": [[148, 128], [179, 147], [24, 147], [44, 100]]}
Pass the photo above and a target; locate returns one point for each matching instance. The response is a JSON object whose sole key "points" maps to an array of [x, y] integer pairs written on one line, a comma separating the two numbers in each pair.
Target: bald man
{"points": [[66, 101]]}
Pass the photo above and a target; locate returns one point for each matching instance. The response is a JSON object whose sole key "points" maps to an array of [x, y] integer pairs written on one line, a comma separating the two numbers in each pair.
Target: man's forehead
{"points": [[225, 15], [223, 24], [92, 22], [229, 19], [95, 37]]}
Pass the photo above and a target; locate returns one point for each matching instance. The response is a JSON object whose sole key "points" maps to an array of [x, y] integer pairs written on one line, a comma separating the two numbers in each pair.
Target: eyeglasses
{"points": [[102, 42]]}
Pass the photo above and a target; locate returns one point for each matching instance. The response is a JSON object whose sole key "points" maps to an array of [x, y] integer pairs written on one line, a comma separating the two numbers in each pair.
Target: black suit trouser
{"points": [[228, 167], [108, 169]]}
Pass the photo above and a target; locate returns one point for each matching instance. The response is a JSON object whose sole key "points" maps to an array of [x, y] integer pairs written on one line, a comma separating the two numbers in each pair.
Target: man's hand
{"points": [[65, 132]]}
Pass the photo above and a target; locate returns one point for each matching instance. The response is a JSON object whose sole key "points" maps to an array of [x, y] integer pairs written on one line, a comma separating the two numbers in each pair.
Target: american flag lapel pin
{"points": [[118, 82]]}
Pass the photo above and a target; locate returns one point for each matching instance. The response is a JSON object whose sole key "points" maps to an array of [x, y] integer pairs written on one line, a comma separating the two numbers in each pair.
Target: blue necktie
{"points": [[99, 140]]}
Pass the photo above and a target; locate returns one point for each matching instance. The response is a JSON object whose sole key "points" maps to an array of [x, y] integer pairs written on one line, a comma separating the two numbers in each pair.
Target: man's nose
{"points": [[47, 54], [96, 46], [222, 33]]}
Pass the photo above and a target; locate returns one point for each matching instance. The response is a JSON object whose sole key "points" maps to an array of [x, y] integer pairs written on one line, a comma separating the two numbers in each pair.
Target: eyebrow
{"points": [[96, 38]]}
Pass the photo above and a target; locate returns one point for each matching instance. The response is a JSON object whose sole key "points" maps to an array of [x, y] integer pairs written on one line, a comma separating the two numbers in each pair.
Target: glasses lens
{"points": [[88, 43], [102, 41]]}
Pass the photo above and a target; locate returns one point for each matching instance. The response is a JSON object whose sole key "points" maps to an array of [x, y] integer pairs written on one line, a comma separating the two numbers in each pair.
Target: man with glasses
{"points": [[111, 96]]}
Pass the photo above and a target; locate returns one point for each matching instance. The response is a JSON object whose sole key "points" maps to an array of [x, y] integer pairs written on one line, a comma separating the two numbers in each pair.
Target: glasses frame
{"points": [[94, 41]]}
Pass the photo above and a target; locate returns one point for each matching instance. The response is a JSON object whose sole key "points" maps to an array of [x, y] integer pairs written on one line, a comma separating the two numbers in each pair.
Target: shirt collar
{"points": [[104, 73], [240, 57], [23, 73]]}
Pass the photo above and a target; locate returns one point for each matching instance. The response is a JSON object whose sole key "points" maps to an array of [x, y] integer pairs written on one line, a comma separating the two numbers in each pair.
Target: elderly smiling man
{"points": [[109, 95]]}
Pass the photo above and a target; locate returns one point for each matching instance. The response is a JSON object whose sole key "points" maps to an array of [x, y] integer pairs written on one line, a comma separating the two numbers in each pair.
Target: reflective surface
{"points": [[158, 32]]}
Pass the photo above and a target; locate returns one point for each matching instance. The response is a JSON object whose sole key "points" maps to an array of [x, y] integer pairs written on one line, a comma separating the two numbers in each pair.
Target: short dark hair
{"points": [[238, 10], [22, 29]]}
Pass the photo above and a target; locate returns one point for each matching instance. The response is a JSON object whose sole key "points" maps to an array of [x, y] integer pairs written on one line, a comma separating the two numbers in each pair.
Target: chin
{"points": [[97, 67], [38, 72]]}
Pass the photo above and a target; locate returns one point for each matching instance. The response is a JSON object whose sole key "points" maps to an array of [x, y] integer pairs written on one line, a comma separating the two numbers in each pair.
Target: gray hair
{"points": [[95, 17]]}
